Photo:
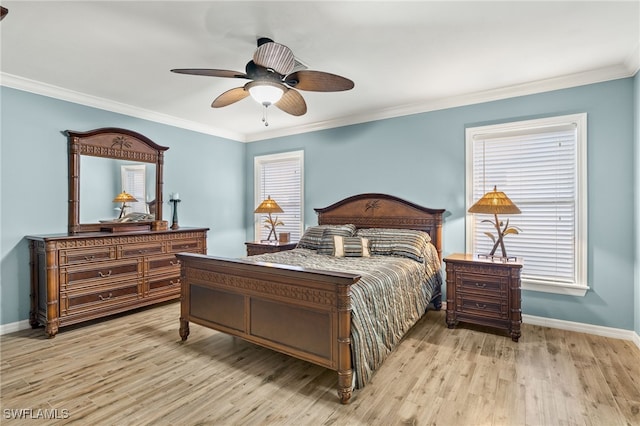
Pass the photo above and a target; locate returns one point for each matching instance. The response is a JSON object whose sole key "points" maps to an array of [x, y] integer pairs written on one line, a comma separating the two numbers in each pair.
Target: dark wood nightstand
{"points": [[260, 247], [484, 291]]}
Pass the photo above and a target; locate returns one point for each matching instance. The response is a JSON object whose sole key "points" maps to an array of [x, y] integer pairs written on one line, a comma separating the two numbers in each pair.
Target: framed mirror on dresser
{"points": [[118, 253]]}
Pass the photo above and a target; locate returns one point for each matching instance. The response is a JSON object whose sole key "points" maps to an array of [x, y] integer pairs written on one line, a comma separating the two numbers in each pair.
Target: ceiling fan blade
{"points": [[229, 97], [276, 56], [210, 72], [318, 81], [292, 103]]}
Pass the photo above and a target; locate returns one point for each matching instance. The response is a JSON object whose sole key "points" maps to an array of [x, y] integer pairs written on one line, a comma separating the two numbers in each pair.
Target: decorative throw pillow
{"points": [[396, 242], [319, 237], [350, 246]]}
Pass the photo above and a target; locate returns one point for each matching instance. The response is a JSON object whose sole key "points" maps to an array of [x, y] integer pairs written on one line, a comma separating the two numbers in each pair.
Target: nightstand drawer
{"points": [[482, 306], [481, 284]]}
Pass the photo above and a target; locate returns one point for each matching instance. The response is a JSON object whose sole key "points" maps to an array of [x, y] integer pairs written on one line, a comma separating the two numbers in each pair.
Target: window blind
{"points": [[134, 182], [537, 168], [280, 176]]}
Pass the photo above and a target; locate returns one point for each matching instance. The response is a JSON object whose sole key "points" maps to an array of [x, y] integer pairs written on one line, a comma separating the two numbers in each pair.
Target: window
{"points": [[133, 182], [541, 166], [280, 177]]}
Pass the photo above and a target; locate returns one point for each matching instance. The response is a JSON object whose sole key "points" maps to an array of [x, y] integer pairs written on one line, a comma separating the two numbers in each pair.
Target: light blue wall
{"points": [[418, 157], [207, 171], [421, 158]]}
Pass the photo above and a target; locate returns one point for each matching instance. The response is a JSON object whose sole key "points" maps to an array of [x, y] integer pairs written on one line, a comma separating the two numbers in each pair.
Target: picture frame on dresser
{"points": [[93, 270]]}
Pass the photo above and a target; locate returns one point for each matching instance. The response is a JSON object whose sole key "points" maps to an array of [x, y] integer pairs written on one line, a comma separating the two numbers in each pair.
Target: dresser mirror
{"points": [[98, 159], [107, 176]]}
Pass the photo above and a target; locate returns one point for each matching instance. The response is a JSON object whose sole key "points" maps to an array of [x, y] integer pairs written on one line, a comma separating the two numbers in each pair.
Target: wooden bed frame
{"points": [[300, 312]]}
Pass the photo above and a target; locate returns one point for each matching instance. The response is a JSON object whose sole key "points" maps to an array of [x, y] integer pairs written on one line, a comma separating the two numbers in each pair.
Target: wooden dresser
{"points": [[485, 292], [79, 277]]}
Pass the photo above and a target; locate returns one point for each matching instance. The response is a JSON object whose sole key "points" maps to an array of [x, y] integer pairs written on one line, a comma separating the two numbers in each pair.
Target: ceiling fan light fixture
{"points": [[265, 92]]}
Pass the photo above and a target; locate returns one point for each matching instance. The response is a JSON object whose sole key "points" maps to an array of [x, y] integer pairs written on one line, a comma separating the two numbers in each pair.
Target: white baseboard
{"points": [[598, 330], [14, 326]]}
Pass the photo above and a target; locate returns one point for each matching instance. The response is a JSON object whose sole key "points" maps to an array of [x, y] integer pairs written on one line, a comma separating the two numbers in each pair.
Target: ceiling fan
{"points": [[273, 80]]}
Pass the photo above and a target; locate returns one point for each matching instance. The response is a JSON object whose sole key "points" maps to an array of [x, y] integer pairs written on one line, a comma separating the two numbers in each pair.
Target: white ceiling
{"points": [[404, 57]]}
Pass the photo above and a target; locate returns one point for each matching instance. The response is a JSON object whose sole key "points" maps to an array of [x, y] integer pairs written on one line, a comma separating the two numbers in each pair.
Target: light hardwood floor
{"points": [[134, 370]]}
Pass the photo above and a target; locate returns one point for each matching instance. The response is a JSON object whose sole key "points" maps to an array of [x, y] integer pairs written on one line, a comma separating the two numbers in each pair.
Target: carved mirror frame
{"points": [[113, 143]]}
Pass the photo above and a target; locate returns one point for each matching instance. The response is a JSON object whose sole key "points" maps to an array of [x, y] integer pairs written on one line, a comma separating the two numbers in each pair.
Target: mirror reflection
{"points": [[102, 179]]}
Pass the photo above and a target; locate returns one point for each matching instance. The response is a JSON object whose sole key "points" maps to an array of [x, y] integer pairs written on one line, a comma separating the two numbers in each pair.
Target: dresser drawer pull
{"points": [[175, 283], [481, 306], [176, 263], [142, 251], [105, 298], [479, 285], [107, 275], [89, 257]]}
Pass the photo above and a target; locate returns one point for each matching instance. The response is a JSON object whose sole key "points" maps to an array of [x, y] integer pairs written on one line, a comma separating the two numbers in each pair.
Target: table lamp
{"points": [[124, 198], [494, 202], [270, 206]]}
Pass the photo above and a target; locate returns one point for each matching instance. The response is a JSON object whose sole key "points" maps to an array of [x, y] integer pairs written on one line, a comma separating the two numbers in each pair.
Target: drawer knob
{"points": [[105, 298], [108, 274], [176, 263], [89, 257], [176, 283], [481, 285], [142, 251], [481, 306]]}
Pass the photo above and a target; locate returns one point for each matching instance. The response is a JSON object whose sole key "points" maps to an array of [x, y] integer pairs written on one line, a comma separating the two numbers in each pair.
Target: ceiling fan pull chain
{"points": [[264, 115]]}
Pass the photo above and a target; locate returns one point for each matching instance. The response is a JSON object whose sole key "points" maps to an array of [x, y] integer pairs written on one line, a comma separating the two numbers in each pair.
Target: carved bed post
{"points": [[345, 370], [184, 304]]}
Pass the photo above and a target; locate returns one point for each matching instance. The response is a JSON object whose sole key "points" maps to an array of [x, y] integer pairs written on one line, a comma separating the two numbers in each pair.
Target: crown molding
{"points": [[628, 69], [61, 93], [563, 82]]}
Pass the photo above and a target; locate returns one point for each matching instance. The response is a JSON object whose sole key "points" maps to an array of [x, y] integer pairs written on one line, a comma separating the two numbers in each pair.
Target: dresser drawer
{"points": [[84, 255], [98, 298], [488, 307], [191, 245], [137, 250], [163, 284], [491, 286], [163, 262], [99, 273]]}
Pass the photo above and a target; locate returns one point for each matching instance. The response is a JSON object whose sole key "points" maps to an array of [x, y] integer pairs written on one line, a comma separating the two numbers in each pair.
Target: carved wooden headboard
{"points": [[384, 211]]}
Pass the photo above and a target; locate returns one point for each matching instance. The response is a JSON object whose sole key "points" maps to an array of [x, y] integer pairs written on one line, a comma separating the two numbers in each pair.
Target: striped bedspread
{"points": [[389, 299]]}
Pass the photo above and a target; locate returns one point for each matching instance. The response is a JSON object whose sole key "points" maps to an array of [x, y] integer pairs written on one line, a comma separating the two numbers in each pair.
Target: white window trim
{"points": [[256, 184], [580, 121]]}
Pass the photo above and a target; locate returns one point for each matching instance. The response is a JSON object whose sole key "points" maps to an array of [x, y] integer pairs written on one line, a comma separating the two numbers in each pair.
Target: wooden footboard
{"points": [[300, 312]]}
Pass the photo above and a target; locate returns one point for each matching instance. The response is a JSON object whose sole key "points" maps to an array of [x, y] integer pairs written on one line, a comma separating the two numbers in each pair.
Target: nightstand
{"points": [[260, 247], [484, 291]]}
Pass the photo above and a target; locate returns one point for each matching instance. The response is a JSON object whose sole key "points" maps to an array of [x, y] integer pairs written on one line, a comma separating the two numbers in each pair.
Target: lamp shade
{"points": [[125, 197], [269, 206], [494, 202], [265, 92]]}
